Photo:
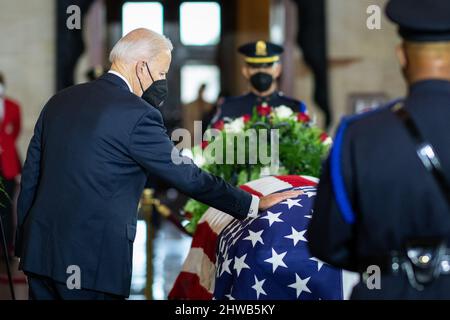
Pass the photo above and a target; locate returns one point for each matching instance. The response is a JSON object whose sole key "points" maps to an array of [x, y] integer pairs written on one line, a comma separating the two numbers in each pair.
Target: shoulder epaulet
{"points": [[337, 178]]}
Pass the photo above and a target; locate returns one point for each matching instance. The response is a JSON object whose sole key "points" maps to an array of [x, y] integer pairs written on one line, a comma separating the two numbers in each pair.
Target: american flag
{"points": [[196, 280], [267, 258]]}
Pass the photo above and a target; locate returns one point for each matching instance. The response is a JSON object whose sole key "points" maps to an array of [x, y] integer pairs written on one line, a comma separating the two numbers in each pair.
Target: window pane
{"points": [[142, 15], [200, 23], [277, 22], [193, 76]]}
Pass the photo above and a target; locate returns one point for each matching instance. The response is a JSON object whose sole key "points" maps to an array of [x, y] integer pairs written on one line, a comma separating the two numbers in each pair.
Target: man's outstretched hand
{"points": [[272, 199]]}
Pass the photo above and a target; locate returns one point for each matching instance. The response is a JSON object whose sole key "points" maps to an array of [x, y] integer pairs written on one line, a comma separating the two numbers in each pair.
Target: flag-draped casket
{"points": [[262, 258]]}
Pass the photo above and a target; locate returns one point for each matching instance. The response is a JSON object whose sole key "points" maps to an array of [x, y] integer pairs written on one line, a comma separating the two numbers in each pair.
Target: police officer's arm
{"points": [[331, 239]]}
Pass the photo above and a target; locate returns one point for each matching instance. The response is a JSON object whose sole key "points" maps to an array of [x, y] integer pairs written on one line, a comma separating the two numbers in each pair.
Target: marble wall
{"points": [[27, 57]]}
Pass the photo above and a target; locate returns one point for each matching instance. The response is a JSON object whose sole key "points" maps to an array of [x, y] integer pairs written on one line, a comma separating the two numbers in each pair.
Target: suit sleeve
{"points": [[331, 238], [151, 147], [29, 181]]}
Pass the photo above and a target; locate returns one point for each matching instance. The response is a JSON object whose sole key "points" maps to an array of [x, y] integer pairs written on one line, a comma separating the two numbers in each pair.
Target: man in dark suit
{"points": [[383, 203], [93, 146]]}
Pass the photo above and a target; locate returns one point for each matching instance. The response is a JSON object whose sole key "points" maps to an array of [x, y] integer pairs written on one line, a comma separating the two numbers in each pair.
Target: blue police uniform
{"points": [[235, 107], [378, 202]]}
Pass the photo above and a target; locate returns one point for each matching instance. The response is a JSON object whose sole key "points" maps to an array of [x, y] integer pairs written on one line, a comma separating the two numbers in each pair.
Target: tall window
{"points": [[149, 15], [200, 23]]}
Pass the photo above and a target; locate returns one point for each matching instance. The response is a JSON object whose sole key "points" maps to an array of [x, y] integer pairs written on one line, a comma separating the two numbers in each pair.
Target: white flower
{"points": [[283, 112], [235, 126], [328, 141]]}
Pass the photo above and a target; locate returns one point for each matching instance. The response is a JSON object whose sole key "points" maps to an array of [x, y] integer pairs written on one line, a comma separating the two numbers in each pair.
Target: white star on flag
{"points": [[272, 217], [226, 266], [292, 203], [296, 236], [276, 260], [229, 297], [239, 264], [258, 287], [300, 285], [319, 263], [310, 194], [254, 237]]}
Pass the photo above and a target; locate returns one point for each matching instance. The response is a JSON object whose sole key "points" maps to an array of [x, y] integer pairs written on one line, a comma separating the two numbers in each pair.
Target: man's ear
{"points": [[245, 72], [140, 69], [277, 71], [401, 55], [140, 75]]}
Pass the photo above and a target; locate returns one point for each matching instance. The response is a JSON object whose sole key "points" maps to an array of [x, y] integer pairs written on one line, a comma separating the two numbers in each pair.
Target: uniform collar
{"points": [[264, 99], [418, 88]]}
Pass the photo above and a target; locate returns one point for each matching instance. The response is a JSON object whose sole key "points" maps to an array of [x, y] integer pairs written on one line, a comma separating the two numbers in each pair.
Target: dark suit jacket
{"points": [[86, 167]]}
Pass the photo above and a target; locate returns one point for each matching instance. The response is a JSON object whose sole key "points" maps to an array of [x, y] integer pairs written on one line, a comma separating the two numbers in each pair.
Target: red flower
{"points": [[247, 118], [303, 117], [219, 125], [323, 136], [264, 110], [204, 144]]}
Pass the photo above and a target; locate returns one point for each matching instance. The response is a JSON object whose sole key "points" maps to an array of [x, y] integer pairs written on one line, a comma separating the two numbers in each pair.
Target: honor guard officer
{"points": [[383, 199], [262, 69]]}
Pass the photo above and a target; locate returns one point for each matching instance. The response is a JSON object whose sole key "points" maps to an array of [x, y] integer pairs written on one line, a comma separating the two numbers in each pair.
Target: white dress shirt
{"points": [[121, 77], [254, 205]]}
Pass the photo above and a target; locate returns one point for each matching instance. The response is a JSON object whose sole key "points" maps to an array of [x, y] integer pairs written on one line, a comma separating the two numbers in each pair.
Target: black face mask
{"points": [[261, 81], [157, 93]]}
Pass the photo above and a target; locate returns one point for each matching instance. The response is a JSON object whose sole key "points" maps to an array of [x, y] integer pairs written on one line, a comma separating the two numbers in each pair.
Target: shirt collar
{"points": [[121, 77]]}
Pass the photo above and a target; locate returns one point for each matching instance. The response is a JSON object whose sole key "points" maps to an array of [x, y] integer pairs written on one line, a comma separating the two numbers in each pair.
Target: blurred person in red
{"points": [[10, 166]]}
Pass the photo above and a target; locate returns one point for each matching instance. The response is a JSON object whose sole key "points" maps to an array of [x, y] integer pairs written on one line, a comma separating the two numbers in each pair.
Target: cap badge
{"points": [[261, 48]]}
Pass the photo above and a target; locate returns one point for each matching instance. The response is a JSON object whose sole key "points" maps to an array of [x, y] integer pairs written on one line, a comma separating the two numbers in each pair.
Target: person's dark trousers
{"points": [[6, 211], [42, 288]]}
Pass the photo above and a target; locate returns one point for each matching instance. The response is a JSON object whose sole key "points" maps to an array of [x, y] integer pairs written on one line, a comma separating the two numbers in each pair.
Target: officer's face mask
{"points": [[261, 81], [157, 93]]}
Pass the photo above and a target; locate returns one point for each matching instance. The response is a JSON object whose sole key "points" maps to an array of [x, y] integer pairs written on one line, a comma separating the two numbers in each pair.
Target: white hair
{"points": [[139, 45]]}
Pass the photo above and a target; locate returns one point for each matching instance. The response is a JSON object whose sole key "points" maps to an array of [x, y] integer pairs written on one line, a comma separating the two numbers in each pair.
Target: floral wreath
{"points": [[302, 148]]}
